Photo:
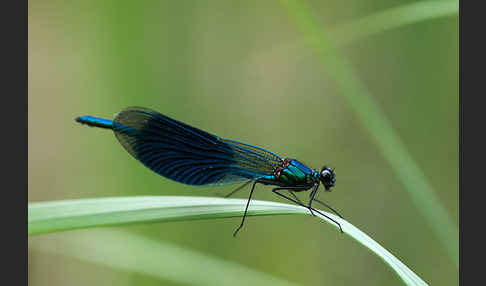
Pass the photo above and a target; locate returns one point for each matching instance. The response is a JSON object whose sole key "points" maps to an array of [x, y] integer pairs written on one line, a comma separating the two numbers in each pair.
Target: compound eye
{"points": [[327, 177], [326, 174]]}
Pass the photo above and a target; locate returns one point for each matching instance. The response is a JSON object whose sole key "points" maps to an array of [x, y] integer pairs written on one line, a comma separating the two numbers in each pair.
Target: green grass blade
{"points": [[392, 18], [47, 217], [378, 126], [135, 253], [373, 24]]}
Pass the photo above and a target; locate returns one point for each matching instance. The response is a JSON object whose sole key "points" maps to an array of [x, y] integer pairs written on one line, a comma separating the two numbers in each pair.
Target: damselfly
{"points": [[192, 156]]}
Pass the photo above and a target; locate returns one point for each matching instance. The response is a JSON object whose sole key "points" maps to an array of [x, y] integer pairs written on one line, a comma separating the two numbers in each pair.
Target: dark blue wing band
{"points": [[186, 154]]}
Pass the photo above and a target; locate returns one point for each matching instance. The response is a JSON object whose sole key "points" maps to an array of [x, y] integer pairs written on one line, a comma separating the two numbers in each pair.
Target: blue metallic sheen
{"points": [[296, 174], [303, 168], [189, 155], [192, 156], [184, 153], [95, 121]]}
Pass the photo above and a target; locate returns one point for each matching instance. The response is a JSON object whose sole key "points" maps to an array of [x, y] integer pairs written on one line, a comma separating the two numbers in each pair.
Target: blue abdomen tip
{"points": [[94, 121]]}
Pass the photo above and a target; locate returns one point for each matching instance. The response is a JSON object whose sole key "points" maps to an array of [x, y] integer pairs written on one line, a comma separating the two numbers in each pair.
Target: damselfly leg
{"points": [[275, 190], [246, 209]]}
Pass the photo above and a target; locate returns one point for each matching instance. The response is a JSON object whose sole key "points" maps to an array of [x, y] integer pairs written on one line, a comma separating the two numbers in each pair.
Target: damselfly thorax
{"points": [[189, 155]]}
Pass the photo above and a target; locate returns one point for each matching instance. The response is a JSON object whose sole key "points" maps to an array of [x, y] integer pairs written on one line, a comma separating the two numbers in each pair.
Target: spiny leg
{"points": [[246, 209], [297, 200], [311, 209], [312, 195], [312, 198], [328, 206], [295, 196]]}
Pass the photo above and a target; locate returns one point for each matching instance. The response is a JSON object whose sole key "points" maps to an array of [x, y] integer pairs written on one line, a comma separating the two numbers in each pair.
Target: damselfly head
{"points": [[328, 178]]}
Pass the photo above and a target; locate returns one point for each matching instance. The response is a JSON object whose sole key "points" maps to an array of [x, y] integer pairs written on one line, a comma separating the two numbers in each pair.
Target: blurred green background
{"points": [[241, 69]]}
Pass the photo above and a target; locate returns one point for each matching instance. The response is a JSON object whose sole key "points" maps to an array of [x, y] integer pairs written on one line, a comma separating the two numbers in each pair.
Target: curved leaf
{"points": [[47, 217], [373, 119]]}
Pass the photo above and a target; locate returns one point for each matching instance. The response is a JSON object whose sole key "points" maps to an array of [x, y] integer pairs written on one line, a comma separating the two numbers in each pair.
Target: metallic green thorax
{"points": [[297, 173]]}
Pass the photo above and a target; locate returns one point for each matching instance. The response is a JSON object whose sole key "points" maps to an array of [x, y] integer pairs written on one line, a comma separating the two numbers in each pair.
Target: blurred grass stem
{"points": [[375, 122]]}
